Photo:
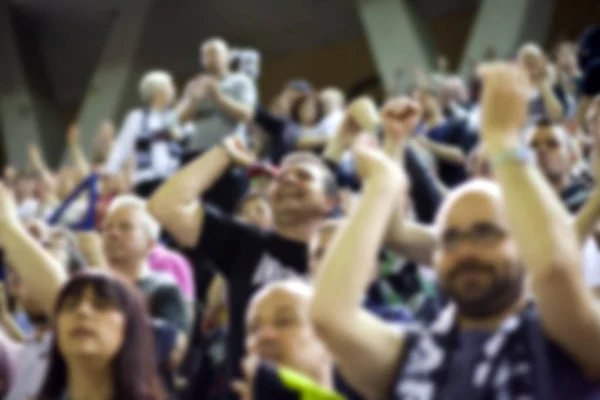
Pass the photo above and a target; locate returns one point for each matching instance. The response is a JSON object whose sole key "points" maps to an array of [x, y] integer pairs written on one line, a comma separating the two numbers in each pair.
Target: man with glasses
{"points": [[492, 341]]}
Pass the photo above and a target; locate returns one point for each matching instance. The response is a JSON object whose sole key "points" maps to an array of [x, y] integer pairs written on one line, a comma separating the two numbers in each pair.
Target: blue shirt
{"points": [[457, 134]]}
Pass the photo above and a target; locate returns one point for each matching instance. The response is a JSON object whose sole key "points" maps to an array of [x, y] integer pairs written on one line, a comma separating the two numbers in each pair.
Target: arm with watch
{"points": [[177, 204]]}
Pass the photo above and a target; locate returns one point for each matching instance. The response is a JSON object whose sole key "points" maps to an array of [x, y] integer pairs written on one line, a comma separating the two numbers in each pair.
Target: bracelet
{"points": [[515, 155]]}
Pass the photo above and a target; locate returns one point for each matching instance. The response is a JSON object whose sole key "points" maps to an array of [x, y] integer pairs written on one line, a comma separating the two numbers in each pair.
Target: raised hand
{"points": [[400, 117], [35, 156], [240, 155], [73, 133], [504, 104], [8, 208], [347, 131]]}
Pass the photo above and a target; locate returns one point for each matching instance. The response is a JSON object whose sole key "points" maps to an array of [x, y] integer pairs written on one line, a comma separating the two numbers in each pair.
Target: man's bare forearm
{"points": [[187, 186], [235, 109], [540, 224]]}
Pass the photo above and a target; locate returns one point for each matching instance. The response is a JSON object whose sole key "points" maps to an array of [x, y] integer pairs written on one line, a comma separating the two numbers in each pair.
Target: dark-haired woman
{"points": [[298, 132], [100, 350]]}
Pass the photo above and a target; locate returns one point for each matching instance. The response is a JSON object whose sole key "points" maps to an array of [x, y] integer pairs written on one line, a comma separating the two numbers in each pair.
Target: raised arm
{"points": [[125, 143], [240, 105], [541, 226], [177, 205], [41, 272], [366, 349], [77, 154]]}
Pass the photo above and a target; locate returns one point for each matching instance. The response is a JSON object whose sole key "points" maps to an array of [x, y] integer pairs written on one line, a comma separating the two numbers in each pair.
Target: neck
{"points": [[157, 105], [325, 378], [87, 382], [129, 271], [221, 72], [298, 232], [493, 322]]}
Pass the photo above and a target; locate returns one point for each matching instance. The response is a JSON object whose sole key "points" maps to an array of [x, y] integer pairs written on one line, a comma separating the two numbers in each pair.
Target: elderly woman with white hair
{"points": [[149, 134]]}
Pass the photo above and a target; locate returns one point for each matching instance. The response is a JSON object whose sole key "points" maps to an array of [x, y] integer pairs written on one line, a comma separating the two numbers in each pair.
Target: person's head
{"points": [[476, 259], [592, 117], [307, 110], [305, 190], [553, 148], [565, 54], [129, 231], [254, 209], [215, 55], [332, 99], [102, 325], [278, 329], [63, 245], [157, 88], [454, 91], [532, 59], [25, 185]]}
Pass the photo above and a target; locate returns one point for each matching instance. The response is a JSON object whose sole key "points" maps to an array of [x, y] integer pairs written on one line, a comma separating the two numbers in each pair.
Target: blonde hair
{"points": [[154, 81]]}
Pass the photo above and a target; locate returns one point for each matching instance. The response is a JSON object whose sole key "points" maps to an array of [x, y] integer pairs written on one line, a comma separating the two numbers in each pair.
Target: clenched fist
{"points": [[504, 104], [400, 117]]}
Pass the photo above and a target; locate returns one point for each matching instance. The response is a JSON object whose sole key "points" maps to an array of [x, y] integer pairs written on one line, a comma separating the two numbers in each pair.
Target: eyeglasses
{"points": [[479, 235]]}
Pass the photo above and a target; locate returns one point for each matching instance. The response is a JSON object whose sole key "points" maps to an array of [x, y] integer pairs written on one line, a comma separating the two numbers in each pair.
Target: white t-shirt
{"points": [[32, 363], [161, 162], [591, 263]]}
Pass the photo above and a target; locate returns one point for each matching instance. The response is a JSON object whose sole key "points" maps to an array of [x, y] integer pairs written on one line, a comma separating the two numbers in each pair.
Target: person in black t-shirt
{"points": [[303, 193]]}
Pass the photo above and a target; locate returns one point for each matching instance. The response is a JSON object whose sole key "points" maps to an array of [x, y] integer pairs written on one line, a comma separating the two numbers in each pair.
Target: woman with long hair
{"points": [[103, 343]]}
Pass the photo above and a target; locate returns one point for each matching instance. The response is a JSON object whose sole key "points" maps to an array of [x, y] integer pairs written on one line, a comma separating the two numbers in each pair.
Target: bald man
{"points": [[491, 341]]}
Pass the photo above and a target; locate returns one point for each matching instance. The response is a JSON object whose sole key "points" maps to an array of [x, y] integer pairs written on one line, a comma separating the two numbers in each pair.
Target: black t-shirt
{"points": [[165, 301], [248, 258]]}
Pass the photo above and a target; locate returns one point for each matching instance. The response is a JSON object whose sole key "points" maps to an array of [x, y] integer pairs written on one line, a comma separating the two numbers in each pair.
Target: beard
{"points": [[503, 286]]}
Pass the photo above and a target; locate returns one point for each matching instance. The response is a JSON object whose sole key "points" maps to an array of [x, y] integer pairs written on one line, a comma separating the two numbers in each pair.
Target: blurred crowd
{"points": [[443, 244]]}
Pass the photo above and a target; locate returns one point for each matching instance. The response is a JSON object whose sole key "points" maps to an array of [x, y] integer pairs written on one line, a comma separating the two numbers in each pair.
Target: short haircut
{"points": [[154, 81], [297, 105], [306, 157], [135, 202]]}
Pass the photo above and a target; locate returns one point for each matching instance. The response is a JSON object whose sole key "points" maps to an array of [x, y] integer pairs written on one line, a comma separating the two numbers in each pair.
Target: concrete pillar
{"points": [[17, 110], [505, 25], [115, 70], [396, 36]]}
